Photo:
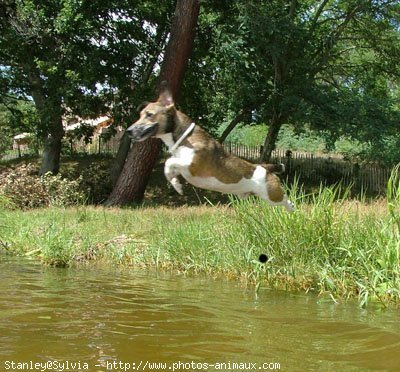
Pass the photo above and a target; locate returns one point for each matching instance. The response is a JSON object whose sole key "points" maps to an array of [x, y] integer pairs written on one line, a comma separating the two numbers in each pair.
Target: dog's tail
{"points": [[275, 168]]}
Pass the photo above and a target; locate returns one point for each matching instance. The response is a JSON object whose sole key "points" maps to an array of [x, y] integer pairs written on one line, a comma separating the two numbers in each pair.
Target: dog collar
{"points": [[182, 137]]}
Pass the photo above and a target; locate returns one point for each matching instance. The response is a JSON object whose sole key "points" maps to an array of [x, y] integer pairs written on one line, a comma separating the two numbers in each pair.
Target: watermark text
{"points": [[143, 365]]}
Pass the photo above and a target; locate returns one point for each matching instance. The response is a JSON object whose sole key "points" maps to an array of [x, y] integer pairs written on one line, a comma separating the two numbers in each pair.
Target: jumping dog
{"points": [[200, 159]]}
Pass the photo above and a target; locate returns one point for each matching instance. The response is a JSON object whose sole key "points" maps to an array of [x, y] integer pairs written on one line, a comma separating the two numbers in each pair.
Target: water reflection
{"points": [[96, 315]]}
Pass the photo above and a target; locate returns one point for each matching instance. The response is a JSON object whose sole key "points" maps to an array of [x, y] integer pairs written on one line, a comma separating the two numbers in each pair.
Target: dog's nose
{"points": [[129, 131], [140, 132], [134, 132]]}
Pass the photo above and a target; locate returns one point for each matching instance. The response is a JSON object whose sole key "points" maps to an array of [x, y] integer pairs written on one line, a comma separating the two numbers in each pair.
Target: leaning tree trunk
{"points": [[231, 126], [120, 158], [180, 44], [269, 144], [142, 157], [135, 170], [125, 142]]}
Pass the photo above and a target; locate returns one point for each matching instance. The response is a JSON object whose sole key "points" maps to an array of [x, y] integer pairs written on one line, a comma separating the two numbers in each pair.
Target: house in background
{"points": [[92, 135], [21, 142], [87, 135]]}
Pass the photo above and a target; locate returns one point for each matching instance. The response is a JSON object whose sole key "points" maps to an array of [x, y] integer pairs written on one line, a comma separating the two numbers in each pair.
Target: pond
{"points": [[100, 319]]}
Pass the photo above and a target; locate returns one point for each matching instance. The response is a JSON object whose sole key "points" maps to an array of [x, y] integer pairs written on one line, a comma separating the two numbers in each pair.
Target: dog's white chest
{"points": [[184, 156]]}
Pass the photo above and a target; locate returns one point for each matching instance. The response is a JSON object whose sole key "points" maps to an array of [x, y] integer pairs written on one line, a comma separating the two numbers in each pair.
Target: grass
{"points": [[331, 245]]}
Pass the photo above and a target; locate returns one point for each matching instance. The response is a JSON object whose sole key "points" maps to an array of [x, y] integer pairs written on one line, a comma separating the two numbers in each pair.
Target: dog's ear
{"points": [[165, 97], [142, 106]]}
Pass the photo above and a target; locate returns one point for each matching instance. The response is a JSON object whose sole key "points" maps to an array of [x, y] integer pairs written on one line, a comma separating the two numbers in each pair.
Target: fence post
{"points": [[288, 165], [356, 176]]}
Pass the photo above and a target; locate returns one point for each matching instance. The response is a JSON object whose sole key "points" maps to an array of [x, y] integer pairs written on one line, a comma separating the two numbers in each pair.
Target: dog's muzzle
{"points": [[140, 132]]}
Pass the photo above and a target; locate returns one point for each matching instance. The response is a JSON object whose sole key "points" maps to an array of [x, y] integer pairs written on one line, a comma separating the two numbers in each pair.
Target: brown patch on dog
{"points": [[273, 168], [210, 158], [274, 188]]}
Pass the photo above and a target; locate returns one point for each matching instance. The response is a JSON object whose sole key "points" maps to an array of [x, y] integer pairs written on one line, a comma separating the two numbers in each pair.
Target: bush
{"points": [[95, 180], [94, 174], [21, 187]]}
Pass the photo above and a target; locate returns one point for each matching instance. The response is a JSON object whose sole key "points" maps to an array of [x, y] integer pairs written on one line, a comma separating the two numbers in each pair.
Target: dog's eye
{"points": [[149, 114]]}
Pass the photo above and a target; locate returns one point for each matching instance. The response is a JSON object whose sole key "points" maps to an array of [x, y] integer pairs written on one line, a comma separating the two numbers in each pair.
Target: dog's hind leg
{"points": [[273, 192], [276, 194], [289, 206], [171, 172], [285, 202]]}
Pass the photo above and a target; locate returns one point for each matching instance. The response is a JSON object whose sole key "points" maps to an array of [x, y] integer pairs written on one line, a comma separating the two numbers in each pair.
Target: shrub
{"points": [[94, 175], [96, 181], [62, 192], [21, 187]]}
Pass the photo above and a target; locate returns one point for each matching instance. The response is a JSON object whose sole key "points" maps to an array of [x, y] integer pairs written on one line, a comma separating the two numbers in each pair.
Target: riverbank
{"points": [[332, 246]]}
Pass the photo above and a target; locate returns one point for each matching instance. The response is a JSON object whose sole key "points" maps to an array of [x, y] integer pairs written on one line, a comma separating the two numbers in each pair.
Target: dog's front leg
{"points": [[171, 171]]}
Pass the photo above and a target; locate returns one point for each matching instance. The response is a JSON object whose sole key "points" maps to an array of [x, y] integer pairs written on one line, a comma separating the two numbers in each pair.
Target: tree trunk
{"points": [[119, 161], [50, 116], [180, 44], [48, 107], [236, 120], [52, 151], [269, 144], [123, 192], [125, 142], [141, 159]]}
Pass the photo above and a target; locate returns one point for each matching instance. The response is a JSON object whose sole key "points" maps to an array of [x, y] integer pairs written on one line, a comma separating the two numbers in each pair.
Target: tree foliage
{"points": [[16, 116], [328, 65], [84, 57]]}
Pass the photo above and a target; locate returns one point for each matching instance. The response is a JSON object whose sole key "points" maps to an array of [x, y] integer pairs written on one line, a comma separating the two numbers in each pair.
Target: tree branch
{"points": [[159, 46], [318, 14], [334, 38], [281, 65]]}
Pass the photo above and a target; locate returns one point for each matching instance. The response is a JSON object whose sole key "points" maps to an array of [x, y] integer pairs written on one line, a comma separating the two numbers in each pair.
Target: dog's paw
{"points": [[177, 186], [289, 206]]}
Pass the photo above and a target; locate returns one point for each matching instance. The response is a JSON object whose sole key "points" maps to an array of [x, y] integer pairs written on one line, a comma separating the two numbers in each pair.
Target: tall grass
{"points": [[328, 246], [331, 245], [393, 196]]}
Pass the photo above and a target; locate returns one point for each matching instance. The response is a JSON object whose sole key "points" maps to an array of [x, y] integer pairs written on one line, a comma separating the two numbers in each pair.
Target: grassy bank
{"points": [[329, 245]]}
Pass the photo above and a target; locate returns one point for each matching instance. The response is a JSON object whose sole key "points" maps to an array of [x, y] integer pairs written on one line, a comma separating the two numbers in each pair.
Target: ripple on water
{"points": [[96, 314]]}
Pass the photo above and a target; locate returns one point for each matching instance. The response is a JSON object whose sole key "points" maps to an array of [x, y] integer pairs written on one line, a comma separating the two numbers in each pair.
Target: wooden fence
{"points": [[326, 169], [310, 169]]}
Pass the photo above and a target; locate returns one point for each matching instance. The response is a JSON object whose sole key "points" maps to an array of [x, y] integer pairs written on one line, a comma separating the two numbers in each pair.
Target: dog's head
{"points": [[155, 118]]}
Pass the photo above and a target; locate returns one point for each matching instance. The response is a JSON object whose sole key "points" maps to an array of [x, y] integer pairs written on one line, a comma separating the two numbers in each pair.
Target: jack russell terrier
{"points": [[201, 160]]}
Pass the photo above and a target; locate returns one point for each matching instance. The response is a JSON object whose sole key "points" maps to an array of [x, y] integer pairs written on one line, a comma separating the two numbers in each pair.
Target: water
{"points": [[98, 318]]}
